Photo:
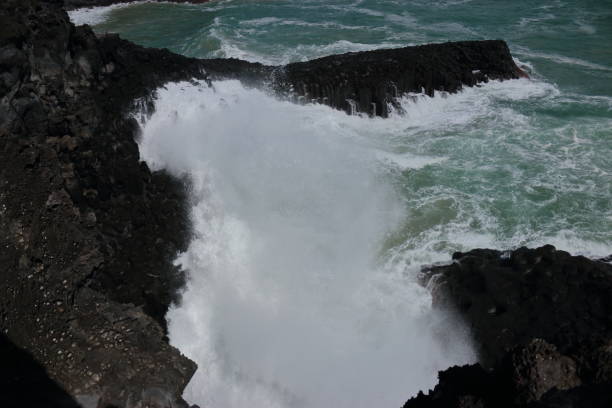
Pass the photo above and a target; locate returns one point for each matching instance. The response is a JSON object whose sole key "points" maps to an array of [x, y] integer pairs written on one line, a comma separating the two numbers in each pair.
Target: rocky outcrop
{"points": [[510, 298], [370, 82], [87, 232], [542, 321]]}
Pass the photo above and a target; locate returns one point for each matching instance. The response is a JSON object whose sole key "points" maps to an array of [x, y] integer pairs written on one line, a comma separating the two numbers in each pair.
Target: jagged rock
{"points": [[369, 82], [538, 368], [541, 319], [80, 216], [466, 387], [509, 298]]}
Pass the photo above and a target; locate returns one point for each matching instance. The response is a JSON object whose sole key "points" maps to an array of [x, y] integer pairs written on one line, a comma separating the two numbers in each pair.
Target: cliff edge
{"points": [[88, 233]]}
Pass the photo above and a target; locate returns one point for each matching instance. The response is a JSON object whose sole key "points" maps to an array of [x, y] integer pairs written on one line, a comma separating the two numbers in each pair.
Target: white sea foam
{"points": [[309, 232], [94, 15], [408, 160], [585, 27], [233, 47], [448, 111], [261, 21], [563, 59], [536, 20], [289, 303], [267, 21], [100, 14], [570, 241]]}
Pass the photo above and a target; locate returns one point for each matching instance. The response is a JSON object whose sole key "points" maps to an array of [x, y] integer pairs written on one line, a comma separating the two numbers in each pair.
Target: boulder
{"points": [[542, 324]]}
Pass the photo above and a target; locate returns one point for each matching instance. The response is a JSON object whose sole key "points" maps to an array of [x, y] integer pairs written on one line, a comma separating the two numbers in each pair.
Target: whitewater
{"points": [[290, 300], [310, 226]]}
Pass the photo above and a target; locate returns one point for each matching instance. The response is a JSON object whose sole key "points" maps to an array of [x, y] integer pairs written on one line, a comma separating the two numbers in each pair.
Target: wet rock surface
{"points": [[542, 321]]}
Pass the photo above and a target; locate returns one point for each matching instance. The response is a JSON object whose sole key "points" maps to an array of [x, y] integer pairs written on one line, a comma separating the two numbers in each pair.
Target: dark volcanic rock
{"points": [[369, 82], [588, 396], [461, 387], [87, 232], [542, 320], [510, 298], [537, 368], [250, 73]]}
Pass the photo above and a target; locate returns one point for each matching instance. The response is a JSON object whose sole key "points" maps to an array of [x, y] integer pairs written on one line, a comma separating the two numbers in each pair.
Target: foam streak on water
{"points": [[291, 300]]}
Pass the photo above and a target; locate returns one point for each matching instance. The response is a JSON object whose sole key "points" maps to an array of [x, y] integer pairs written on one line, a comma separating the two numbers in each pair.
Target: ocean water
{"points": [[310, 225]]}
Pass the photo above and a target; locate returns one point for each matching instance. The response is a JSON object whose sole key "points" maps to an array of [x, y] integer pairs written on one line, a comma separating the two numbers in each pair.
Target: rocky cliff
{"points": [[87, 232]]}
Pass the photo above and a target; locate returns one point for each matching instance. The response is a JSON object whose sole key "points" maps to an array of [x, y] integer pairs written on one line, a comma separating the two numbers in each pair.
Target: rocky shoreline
{"points": [[88, 233], [541, 320]]}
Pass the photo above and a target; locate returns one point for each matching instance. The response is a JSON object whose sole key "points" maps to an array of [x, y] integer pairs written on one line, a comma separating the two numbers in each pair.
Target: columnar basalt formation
{"points": [[370, 82]]}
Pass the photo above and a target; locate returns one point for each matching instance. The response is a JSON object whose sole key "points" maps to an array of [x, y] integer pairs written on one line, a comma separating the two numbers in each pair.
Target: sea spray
{"points": [[292, 300]]}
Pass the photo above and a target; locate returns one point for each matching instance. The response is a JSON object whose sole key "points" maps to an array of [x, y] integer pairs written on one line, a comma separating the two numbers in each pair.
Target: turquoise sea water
{"points": [[310, 225], [526, 168]]}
